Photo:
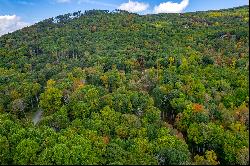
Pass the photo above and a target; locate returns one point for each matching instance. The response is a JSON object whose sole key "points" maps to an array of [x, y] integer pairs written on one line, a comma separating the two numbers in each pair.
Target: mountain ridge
{"points": [[117, 10], [121, 88]]}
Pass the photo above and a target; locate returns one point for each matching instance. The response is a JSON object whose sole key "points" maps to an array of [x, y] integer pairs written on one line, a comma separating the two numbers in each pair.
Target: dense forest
{"points": [[104, 87]]}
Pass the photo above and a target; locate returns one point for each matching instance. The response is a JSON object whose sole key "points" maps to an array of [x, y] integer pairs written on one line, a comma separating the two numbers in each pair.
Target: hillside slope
{"points": [[121, 88]]}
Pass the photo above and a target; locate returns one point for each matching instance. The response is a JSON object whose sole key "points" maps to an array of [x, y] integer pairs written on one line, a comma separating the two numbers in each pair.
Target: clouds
{"points": [[10, 23], [133, 6], [164, 7], [171, 7]]}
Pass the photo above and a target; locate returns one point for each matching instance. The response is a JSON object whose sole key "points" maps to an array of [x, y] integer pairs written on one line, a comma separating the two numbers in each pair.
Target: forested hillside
{"points": [[121, 88]]}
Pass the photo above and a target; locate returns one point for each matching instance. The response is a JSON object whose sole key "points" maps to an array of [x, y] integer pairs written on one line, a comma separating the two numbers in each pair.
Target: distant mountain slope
{"points": [[122, 88], [98, 31]]}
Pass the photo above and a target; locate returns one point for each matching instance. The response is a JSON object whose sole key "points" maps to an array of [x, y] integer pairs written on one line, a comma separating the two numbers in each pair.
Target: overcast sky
{"points": [[15, 14]]}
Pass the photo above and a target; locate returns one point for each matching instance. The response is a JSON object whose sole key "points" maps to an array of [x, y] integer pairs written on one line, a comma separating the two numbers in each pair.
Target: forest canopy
{"points": [[104, 87]]}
